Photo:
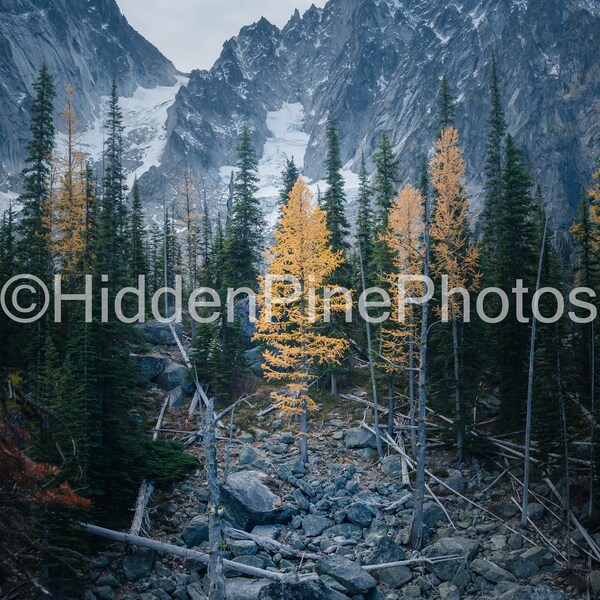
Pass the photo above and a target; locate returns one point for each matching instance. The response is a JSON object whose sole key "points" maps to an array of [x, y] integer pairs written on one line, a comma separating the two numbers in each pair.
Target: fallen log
{"points": [[165, 548]]}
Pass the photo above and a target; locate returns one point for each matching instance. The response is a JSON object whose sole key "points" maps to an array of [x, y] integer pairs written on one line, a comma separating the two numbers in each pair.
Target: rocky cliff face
{"points": [[380, 62], [85, 43]]}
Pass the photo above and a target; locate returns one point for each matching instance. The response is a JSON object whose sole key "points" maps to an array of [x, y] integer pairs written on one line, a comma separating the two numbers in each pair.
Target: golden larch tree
{"points": [[290, 331], [455, 255], [69, 214], [400, 337]]}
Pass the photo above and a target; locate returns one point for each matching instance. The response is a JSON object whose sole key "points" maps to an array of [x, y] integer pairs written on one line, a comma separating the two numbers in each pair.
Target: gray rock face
{"points": [[139, 564], [248, 502], [354, 579], [83, 46], [380, 63], [159, 334]]}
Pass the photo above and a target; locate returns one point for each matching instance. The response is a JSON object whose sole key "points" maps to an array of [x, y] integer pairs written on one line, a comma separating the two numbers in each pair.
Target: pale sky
{"points": [[191, 32]]}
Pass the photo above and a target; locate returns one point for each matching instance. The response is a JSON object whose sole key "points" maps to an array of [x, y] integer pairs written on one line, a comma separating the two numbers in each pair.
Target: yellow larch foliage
{"points": [[291, 334], [404, 238], [69, 211], [455, 256]]}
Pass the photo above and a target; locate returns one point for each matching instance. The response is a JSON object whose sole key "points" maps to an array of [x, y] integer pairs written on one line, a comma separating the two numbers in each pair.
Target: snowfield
{"points": [[288, 140], [145, 134]]}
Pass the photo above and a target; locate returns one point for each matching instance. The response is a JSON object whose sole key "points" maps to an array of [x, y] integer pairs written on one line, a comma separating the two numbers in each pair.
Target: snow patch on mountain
{"points": [[145, 133], [5, 200]]}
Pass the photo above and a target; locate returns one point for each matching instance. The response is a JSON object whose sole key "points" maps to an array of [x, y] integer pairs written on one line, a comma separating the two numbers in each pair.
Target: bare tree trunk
{"points": [[371, 361], [593, 412], [334, 385], [460, 419], [411, 384], [565, 436], [527, 466], [215, 533], [415, 539], [391, 406], [303, 433]]}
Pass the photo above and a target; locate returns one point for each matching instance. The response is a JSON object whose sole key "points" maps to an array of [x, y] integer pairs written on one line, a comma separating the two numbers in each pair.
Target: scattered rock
{"points": [[196, 532], [314, 525], [595, 583], [520, 567], [242, 547], [359, 514], [392, 467], [159, 334], [447, 546], [432, 515], [177, 398], [139, 564], [411, 592], [175, 375], [242, 588], [536, 511], [387, 551], [149, 366], [354, 578], [247, 455], [532, 593], [105, 592], [507, 509], [357, 437], [490, 571], [448, 591], [195, 592], [456, 481], [539, 556], [308, 590]]}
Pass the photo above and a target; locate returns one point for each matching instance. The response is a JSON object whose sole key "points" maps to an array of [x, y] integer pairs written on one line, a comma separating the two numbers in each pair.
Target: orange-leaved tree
{"points": [[455, 255], [404, 239], [290, 329], [70, 211]]}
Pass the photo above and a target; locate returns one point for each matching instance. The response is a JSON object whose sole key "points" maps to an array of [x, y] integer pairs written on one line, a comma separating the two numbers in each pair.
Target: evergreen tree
{"points": [[493, 164], [446, 106], [364, 221], [334, 199], [113, 251], [33, 247], [8, 352], [244, 235], [138, 261], [288, 179], [515, 259], [206, 248]]}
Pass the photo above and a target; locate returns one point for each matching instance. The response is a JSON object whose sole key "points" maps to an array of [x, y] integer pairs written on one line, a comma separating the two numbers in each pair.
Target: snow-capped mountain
{"points": [[85, 43], [379, 62]]}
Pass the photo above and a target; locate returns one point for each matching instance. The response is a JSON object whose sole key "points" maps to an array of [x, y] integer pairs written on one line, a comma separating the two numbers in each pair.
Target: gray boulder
{"points": [[247, 455], [359, 514], [314, 525], [241, 311], [308, 590], [357, 437], [149, 366], [195, 592], [139, 564], [176, 375], [520, 567], [452, 546], [196, 532], [177, 398], [533, 593], [242, 588], [348, 574], [536, 511], [392, 467], [432, 515], [248, 502], [159, 334], [491, 571], [387, 551], [539, 556], [253, 359]]}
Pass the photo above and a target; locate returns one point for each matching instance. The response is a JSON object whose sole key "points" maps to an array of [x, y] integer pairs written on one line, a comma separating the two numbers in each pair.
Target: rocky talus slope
{"points": [[337, 517]]}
